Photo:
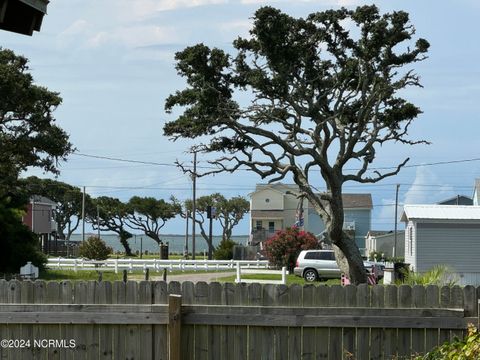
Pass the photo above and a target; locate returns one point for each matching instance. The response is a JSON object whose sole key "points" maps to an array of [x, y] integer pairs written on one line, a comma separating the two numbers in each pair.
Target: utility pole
{"points": [[185, 248], [83, 215], [396, 215], [194, 204], [210, 215], [98, 221]]}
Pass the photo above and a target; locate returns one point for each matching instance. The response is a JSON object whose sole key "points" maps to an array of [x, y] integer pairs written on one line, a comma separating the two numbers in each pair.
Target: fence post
{"points": [[284, 275], [116, 266], [75, 265], [238, 279], [174, 326]]}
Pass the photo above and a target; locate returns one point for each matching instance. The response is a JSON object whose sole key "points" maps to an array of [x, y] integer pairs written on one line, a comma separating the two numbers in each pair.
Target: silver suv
{"points": [[318, 264]]}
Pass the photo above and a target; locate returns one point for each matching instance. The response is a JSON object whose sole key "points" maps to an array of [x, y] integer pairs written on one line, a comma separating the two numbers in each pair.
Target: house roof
{"points": [[441, 212], [457, 198], [375, 233], [42, 200], [350, 201], [380, 234]]}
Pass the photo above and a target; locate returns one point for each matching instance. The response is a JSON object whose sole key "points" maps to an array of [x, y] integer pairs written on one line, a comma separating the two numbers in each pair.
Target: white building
{"points": [[444, 235]]}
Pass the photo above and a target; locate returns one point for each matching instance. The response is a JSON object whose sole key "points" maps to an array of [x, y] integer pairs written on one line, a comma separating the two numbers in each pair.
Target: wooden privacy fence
{"points": [[156, 320]]}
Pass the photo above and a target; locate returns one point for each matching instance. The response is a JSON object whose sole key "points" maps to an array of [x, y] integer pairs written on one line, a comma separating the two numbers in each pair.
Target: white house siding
{"points": [[267, 199], [410, 245], [456, 245]]}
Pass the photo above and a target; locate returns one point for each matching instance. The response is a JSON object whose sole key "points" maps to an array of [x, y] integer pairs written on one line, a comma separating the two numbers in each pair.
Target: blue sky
{"points": [[112, 61]]}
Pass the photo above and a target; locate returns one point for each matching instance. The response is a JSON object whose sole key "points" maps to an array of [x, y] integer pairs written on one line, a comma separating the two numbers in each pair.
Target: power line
{"points": [[216, 168]]}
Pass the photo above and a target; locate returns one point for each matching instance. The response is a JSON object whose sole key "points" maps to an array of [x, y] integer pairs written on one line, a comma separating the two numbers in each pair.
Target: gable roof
{"points": [[441, 212], [460, 199]]}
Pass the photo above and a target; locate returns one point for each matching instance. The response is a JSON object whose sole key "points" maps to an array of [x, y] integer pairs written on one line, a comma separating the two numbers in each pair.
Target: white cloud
{"points": [[418, 193], [134, 36], [141, 9], [71, 34], [319, 2]]}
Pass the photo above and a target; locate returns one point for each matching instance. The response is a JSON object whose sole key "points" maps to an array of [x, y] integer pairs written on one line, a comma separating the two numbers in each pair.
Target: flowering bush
{"points": [[283, 248]]}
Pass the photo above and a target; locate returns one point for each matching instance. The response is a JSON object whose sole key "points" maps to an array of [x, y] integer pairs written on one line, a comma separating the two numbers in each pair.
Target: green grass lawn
{"points": [[291, 279], [84, 275]]}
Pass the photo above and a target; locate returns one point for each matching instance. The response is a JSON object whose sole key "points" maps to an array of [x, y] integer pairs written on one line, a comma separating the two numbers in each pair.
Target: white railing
{"points": [[241, 271], [78, 264]]}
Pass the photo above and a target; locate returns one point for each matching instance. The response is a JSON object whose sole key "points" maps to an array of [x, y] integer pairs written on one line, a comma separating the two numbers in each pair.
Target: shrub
{"points": [[283, 248], [466, 349], [95, 248], [439, 275], [224, 250]]}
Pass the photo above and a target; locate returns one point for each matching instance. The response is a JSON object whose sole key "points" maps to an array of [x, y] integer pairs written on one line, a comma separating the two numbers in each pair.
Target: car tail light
{"points": [[296, 264]]}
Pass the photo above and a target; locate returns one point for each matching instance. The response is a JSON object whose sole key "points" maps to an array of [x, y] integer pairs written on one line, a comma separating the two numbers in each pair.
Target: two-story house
{"points": [[40, 219], [276, 206]]}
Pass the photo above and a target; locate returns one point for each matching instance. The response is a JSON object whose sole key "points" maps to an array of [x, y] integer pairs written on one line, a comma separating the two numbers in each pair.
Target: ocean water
{"points": [[176, 243]]}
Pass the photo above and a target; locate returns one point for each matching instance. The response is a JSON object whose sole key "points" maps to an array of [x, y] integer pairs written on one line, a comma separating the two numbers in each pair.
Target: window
{"points": [[318, 255], [271, 226], [410, 239], [258, 224]]}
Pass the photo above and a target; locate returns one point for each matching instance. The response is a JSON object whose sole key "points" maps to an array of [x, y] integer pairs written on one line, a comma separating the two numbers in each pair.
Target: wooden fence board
{"points": [[335, 346], [308, 335], [376, 335], [292, 296], [240, 349], [160, 332], [418, 335], [218, 333], [321, 298], [119, 295], [390, 335], [349, 334], [456, 301], [363, 332], [254, 332], [202, 332], [432, 300]]}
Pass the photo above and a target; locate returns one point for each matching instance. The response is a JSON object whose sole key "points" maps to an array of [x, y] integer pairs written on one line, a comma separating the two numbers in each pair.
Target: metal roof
{"points": [[441, 212]]}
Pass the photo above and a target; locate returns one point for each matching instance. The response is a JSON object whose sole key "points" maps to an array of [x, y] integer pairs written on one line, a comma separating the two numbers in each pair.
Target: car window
{"points": [[312, 255], [317, 255], [327, 256]]}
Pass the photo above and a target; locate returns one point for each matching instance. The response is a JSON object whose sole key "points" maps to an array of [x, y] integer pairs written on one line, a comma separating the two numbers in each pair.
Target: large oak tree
{"points": [[29, 137], [149, 215], [324, 91]]}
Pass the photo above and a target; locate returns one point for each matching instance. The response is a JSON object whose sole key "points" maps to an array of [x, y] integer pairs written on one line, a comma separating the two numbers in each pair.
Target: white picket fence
{"points": [[241, 271], [79, 264]]}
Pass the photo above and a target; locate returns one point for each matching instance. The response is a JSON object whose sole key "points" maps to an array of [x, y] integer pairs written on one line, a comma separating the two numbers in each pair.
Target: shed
{"points": [[444, 235]]}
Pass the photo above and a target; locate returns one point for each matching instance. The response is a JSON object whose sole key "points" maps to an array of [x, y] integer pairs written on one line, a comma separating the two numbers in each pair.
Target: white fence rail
{"points": [[78, 264], [241, 271]]}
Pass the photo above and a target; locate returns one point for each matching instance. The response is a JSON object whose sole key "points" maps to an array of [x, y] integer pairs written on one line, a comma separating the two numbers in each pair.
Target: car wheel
{"points": [[310, 275]]}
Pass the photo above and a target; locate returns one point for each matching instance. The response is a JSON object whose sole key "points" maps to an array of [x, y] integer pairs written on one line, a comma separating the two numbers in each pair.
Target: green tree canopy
{"points": [[325, 92], [228, 212], [149, 215], [112, 216], [28, 133]]}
